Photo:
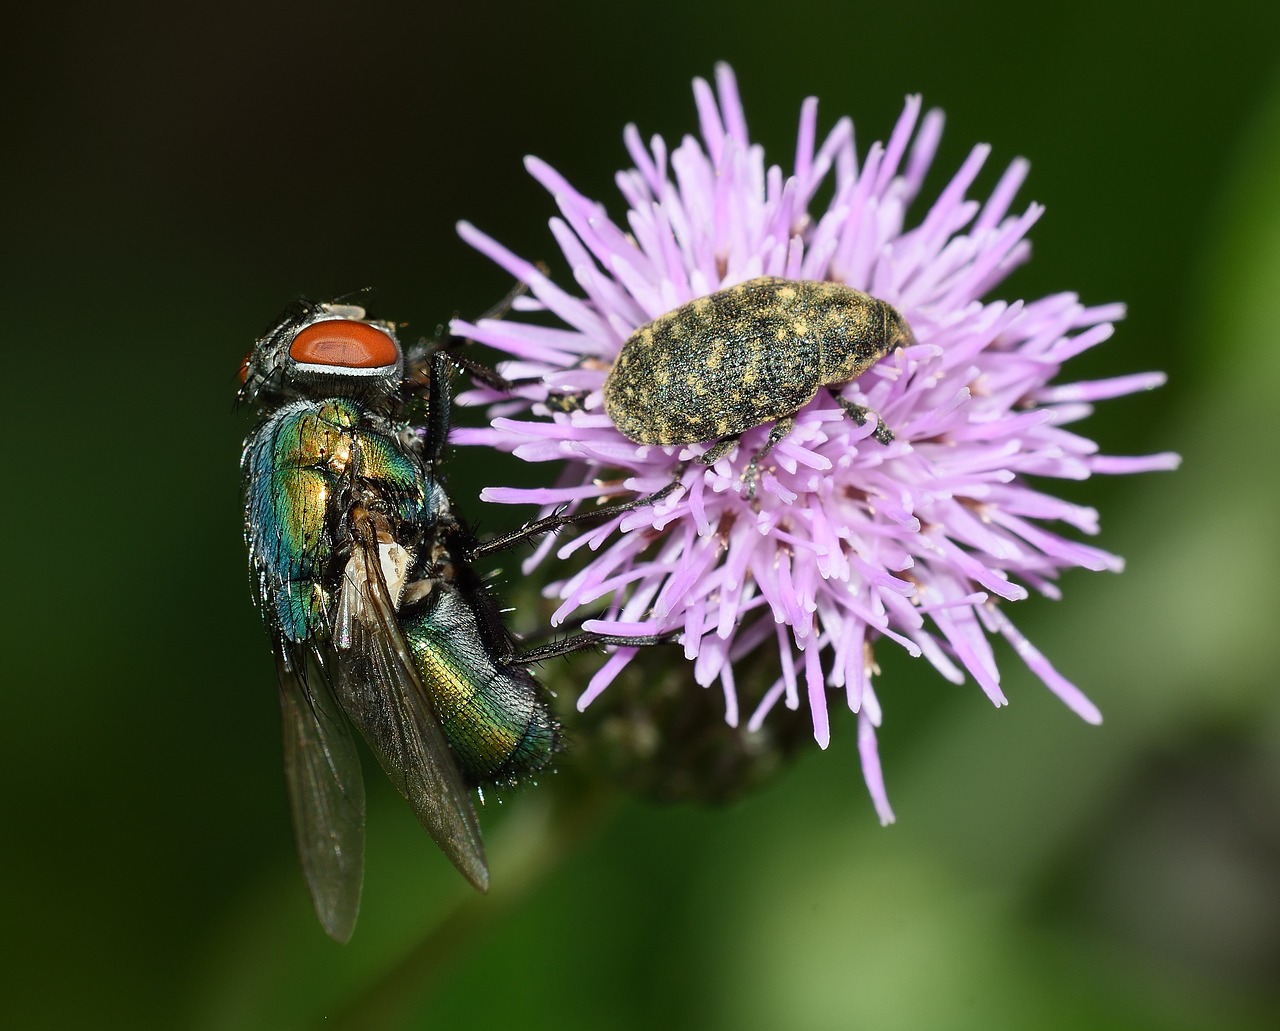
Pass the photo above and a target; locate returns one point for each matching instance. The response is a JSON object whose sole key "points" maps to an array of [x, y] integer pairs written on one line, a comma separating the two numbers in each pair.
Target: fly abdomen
{"points": [[494, 715]]}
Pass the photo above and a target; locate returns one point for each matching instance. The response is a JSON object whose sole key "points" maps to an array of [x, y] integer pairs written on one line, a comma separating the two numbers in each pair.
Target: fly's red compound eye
{"points": [[345, 344], [244, 369]]}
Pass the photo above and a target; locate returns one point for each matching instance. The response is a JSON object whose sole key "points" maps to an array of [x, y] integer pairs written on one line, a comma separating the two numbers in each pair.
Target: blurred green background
{"points": [[174, 175]]}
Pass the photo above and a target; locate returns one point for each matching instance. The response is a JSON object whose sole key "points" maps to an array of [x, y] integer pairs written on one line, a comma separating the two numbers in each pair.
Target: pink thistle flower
{"points": [[846, 541]]}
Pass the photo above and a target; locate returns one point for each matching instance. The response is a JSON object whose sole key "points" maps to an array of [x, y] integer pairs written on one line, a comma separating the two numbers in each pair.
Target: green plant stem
{"points": [[532, 845]]}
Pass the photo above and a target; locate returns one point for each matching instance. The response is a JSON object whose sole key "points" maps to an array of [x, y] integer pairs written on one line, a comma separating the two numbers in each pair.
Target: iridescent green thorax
{"points": [[492, 713], [743, 356], [302, 468]]}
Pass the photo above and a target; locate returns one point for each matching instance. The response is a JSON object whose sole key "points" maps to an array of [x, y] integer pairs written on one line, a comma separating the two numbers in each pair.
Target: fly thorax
{"points": [[339, 457]]}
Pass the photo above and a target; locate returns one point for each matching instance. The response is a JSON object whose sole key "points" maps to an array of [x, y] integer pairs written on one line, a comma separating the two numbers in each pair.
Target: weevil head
{"points": [[871, 329], [896, 331], [325, 350]]}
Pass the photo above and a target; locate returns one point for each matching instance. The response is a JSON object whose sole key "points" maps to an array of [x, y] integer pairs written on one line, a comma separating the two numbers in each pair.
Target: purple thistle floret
{"points": [[846, 541]]}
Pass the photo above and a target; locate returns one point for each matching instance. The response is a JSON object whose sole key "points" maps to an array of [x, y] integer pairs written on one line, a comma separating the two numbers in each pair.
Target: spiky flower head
{"points": [[845, 542]]}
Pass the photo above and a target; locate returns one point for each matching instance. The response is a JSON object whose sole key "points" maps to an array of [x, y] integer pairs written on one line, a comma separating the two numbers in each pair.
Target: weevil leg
{"points": [[751, 475], [718, 450], [576, 401], [860, 414]]}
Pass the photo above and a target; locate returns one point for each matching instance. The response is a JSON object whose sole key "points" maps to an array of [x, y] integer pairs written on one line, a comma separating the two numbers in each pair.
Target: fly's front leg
{"points": [[439, 400], [421, 362]]}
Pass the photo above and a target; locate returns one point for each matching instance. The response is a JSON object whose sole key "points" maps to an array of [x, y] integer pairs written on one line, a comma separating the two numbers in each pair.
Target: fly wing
{"points": [[326, 791], [379, 688]]}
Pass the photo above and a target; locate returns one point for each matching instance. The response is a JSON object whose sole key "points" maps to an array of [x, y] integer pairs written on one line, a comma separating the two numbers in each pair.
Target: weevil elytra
{"points": [[746, 355]]}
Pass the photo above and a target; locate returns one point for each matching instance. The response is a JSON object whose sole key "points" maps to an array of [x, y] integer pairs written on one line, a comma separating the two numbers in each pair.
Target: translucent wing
{"points": [[376, 682], [326, 791]]}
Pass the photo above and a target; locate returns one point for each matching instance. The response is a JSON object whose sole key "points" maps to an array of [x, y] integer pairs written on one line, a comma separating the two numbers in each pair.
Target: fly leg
{"points": [[552, 523], [587, 640], [750, 475], [420, 363]]}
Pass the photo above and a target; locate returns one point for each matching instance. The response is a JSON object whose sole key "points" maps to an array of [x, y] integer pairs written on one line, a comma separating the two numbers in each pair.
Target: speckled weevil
{"points": [[746, 355]]}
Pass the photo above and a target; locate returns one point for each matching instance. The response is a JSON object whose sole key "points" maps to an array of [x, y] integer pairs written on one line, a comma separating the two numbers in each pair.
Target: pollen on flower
{"points": [[848, 543]]}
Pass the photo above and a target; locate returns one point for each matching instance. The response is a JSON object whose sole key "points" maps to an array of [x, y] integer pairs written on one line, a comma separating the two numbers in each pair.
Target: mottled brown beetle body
{"points": [[746, 355]]}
